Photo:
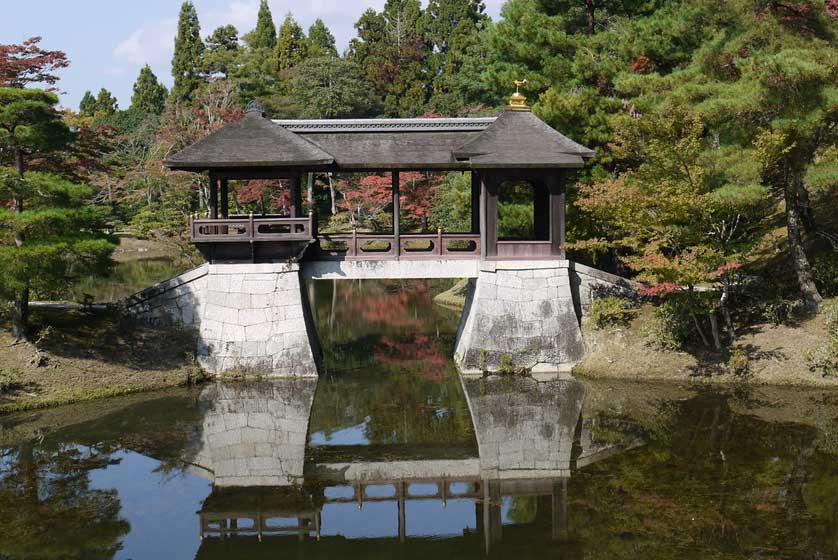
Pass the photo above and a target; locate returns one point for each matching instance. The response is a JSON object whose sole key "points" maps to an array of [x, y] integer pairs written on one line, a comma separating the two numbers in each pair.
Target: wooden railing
{"points": [[356, 246], [377, 246], [251, 228]]}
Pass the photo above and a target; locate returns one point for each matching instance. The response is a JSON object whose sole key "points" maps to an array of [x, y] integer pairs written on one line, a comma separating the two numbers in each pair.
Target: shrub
{"points": [[610, 311], [738, 363], [824, 359], [825, 270], [672, 327]]}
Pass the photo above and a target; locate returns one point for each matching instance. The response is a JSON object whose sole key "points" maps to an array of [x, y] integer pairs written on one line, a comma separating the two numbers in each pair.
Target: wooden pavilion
{"points": [[515, 146]]}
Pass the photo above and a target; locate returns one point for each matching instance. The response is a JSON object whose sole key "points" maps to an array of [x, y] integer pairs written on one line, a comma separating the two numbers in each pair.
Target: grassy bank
{"points": [[767, 354], [84, 356]]}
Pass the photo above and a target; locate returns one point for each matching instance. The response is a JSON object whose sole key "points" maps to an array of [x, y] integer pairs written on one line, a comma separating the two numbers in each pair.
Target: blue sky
{"points": [[108, 41]]}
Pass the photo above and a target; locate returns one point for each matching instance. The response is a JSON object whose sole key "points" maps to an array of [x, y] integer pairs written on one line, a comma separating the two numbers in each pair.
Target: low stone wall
{"points": [[250, 318], [520, 314], [588, 283]]}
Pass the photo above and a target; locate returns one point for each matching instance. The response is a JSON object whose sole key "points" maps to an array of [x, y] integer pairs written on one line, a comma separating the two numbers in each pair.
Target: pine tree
{"points": [[106, 103], [321, 41], [46, 228], [264, 36], [189, 50], [291, 45], [87, 106], [223, 50], [149, 94]]}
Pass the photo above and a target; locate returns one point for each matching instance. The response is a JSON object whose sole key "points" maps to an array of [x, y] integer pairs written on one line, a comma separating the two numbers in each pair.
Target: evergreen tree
{"points": [[106, 103], [330, 87], [46, 228], [189, 50], [87, 106], [291, 44], [391, 50], [321, 41], [223, 51], [149, 94], [264, 36]]}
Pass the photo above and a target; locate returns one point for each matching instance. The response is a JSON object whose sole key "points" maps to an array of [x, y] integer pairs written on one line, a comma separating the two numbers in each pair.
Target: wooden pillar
{"points": [[225, 199], [541, 210], [396, 214], [475, 202], [296, 201], [559, 509], [212, 203], [310, 192], [556, 184], [488, 215]]}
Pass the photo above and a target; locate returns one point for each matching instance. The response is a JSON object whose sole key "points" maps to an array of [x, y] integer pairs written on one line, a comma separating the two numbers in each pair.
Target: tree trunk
{"points": [[807, 216], [700, 332], [808, 290], [714, 328], [332, 194], [20, 309], [590, 6]]}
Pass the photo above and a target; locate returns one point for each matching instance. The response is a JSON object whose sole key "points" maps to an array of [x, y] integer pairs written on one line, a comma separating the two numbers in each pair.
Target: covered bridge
{"points": [[515, 146]]}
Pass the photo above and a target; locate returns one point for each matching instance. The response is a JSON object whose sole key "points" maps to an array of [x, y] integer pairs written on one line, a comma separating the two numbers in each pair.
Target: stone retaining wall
{"points": [[519, 314], [250, 318]]}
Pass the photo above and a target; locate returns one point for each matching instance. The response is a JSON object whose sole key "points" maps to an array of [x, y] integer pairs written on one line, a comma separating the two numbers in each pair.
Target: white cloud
{"points": [[151, 44]]}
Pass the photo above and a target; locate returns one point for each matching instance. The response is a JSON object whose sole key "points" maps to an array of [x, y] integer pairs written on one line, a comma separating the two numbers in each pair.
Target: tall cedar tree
{"points": [[27, 63], [291, 45], [46, 229], [320, 39], [149, 94], [391, 50], [264, 36], [189, 50]]}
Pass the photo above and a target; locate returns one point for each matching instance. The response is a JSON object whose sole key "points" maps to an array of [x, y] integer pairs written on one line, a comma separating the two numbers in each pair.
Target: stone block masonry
{"points": [[250, 318], [520, 314]]}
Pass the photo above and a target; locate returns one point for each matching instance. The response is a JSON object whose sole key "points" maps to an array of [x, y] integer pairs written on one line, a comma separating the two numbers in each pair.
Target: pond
{"points": [[390, 453]]}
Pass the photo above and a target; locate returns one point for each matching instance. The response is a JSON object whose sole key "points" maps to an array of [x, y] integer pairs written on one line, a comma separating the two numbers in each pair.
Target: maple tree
{"points": [[27, 63]]}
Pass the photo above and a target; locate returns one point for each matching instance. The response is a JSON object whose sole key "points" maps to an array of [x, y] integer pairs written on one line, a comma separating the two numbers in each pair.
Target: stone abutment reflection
{"points": [[274, 486]]}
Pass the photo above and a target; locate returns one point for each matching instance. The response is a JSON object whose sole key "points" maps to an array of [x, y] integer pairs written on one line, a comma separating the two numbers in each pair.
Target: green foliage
{"points": [[672, 326], [825, 269], [223, 53], [609, 312], [824, 359], [29, 121], [329, 87], [189, 50], [149, 94], [451, 206], [264, 36], [87, 105], [320, 39], [739, 363], [291, 44]]}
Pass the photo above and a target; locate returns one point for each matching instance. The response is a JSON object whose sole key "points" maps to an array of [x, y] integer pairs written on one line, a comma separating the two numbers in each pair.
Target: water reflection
{"points": [[380, 458]]}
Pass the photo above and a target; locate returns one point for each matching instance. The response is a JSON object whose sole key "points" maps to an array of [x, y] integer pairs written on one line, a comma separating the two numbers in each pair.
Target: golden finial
{"points": [[518, 102]]}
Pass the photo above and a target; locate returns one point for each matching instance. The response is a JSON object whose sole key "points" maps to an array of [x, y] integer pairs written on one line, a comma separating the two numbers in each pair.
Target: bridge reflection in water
{"points": [[275, 482]]}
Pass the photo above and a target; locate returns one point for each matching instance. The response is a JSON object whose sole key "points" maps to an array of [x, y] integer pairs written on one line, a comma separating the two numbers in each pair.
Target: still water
{"points": [[391, 454]]}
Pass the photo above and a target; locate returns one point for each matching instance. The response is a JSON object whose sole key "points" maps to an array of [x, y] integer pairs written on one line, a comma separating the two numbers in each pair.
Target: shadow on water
{"points": [[400, 457]]}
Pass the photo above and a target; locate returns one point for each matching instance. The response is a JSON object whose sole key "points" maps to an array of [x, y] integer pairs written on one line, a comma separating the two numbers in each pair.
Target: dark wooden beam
{"points": [[540, 210], [556, 183], [475, 202], [396, 213], [296, 201], [212, 203], [489, 215], [225, 198]]}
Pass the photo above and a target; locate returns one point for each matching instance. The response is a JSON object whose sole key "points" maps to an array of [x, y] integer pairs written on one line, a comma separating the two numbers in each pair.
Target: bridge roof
{"points": [[515, 139]]}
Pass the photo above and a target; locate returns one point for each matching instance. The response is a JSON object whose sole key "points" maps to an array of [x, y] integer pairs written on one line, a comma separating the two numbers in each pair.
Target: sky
{"points": [[108, 41]]}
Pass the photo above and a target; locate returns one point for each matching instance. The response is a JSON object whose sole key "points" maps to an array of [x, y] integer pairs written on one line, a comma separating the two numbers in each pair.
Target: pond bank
{"points": [[776, 355]]}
